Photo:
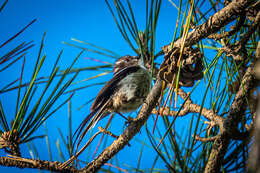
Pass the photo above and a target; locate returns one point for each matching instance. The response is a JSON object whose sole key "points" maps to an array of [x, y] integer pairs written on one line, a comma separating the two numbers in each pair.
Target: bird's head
{"points": [[126, 61]]}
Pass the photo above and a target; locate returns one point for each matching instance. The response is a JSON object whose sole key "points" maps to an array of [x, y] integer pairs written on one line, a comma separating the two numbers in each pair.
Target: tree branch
{"points": [[251, 30], [232, 31], [254, 157], [189, 107], [31, 163], [123, 140], [235, 114], [214, 23]]}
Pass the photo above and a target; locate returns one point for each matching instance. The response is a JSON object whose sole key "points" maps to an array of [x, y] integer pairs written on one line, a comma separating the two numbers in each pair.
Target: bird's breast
{"points": [[132, 91]]}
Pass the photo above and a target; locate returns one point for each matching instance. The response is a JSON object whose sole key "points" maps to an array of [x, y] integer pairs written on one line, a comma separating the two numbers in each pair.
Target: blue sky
{"points": [[85, 20]]}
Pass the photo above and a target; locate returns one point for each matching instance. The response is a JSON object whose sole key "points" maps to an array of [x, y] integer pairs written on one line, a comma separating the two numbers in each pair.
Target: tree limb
{"points": [[31, 163], [214, 23], [234, 116], [189, 107]]}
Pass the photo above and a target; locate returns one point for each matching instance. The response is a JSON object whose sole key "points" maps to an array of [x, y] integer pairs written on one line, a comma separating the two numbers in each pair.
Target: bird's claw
{"points": [[129, 120]]}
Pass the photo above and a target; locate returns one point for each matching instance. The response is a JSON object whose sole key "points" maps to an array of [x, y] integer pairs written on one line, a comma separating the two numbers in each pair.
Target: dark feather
{"points": [[95, 116], [108, 90], [81, 126]]}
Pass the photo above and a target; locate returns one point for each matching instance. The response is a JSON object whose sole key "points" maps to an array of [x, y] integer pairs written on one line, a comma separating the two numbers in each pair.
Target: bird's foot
{"points": [[129, 120]]}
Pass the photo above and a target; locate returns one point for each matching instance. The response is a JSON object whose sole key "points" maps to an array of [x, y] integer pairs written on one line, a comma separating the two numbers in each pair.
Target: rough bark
{"points": [[235, 114]]}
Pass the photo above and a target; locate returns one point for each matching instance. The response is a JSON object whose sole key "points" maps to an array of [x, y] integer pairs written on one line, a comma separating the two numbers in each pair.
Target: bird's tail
{"points": [[89, 122]]}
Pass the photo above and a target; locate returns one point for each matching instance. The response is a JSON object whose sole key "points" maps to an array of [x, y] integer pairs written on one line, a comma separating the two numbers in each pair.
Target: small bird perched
{"points": [[125, 92]]}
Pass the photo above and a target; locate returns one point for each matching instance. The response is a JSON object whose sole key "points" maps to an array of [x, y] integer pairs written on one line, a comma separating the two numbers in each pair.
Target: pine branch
{"points": [[214, 23], [235, 115], [32, 163]]}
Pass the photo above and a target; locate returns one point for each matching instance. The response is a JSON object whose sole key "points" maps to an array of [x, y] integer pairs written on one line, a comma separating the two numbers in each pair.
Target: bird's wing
{"points": [[99, 105], [108, 90]]}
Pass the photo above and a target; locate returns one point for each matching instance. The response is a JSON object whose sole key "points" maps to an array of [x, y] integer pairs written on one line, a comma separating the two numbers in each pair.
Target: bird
{"points": [[125, 92]]}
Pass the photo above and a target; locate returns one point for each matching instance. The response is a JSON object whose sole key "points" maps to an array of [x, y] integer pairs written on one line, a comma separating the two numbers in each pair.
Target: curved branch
{"points": [[209, 139], [251, 30], [235, 114], [37, 164], [190, 107], [214, 23], [233, 30]]}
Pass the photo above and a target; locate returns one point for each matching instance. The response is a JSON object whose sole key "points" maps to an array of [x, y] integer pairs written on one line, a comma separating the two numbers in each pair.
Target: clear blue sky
{"points": [[85, 20]]}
